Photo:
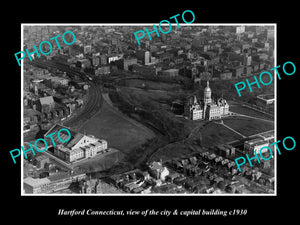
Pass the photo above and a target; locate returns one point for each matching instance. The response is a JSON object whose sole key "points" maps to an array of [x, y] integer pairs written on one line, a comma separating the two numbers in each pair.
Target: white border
{"points": [[151, 24]]}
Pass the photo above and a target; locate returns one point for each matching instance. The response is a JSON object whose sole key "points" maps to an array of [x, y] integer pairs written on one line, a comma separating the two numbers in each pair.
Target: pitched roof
{"points": [[62, 134], [156, 166], [48, 100], [74, 140]]}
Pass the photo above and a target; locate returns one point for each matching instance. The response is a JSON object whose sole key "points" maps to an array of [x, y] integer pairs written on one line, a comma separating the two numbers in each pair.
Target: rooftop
{"points": [[48, 100], [36, 182], [63, 175], [171, 70], [56, 128], [268, 134], [41, 157], [266, 97], [255, 141], [156, 166]]}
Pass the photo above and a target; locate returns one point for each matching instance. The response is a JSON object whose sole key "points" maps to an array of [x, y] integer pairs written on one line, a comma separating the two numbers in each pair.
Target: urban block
{"points": [[265, 73], [23, 54], [42, 140], [270, 151], [159, 26]]}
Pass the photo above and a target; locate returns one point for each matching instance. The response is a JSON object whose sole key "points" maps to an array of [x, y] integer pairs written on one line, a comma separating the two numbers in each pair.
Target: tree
{"points": [[221, 185], [229, 189]]}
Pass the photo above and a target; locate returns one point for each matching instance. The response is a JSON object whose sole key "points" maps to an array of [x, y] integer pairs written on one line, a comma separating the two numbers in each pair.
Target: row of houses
{"points": [[211, 168], [201, 163], [135, 181], [208, 165], [58, 113]]}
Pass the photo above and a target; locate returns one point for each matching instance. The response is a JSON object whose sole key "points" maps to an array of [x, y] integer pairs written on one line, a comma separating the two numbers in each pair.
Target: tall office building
{"points": [[143, 57], [147, 58], [247, 60]]}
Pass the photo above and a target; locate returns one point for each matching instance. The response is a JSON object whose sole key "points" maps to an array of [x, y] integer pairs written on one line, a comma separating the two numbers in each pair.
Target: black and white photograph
{"points": [[150, 113], [159, 117]]}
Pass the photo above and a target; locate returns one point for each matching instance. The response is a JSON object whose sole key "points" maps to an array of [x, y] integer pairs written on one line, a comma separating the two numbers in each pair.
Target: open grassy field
{"points": [[171, 151], [248, 126], [146, 95], [247, 111], [158, 94], [153, 85], [156, 98], [215, 134], [119, 131], [212, 134], [100, 163]]}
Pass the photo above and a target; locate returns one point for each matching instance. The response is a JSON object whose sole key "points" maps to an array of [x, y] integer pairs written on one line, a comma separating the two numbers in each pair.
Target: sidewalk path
{"points": [[221, 123]]}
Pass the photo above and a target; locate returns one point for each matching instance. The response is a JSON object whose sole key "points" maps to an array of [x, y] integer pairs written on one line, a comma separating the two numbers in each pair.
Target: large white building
{"points": [[254, 145], [240, 29], [55, 182], [79, 146], [206, 109]]}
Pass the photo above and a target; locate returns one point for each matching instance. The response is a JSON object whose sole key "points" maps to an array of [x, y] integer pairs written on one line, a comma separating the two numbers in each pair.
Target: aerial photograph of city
{"points": [[160, 115]]}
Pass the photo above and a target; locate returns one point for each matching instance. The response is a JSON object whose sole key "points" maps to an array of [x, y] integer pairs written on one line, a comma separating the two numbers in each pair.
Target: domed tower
{"points": [[195, 100], [36, 90], [207, 94]]}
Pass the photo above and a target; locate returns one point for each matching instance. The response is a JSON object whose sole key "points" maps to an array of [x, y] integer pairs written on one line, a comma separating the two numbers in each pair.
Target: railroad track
{"points": [[94, 102]]}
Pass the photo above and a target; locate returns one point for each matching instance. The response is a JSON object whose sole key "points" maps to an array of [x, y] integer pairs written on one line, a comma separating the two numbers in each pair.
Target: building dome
{"points": [[207, 88], [207, 94]]}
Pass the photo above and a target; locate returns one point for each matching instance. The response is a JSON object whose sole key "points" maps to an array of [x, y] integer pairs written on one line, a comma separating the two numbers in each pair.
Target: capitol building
{"points": [[207, 109]]}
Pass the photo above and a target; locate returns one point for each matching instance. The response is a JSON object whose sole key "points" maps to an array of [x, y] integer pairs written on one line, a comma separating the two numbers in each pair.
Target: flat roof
{"points": [[255, 141], [270, 134], [171, 70], [267, 97], [35, 182], [63, 175], [40, 157], [47, 100]]}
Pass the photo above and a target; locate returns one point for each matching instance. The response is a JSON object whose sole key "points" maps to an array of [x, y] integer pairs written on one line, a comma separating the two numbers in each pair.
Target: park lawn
{"points": [[153, 85], [214, 134], [147, 95], [247, 111], [248, 126], [118, 130], [154, 98]]}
